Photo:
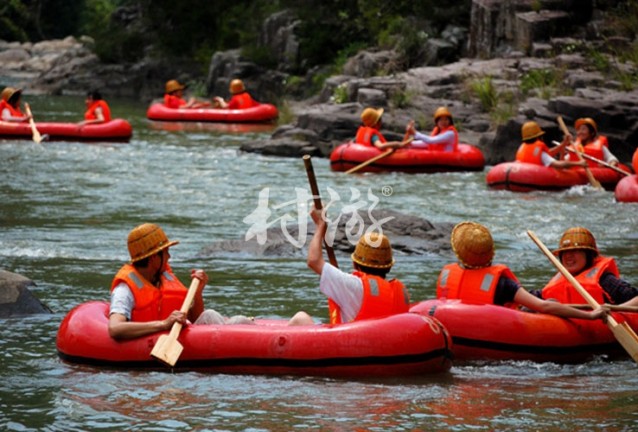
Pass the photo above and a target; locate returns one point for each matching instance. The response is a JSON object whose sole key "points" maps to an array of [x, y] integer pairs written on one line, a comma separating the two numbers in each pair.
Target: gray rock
{"points": [[408, 234], [15, 297]]}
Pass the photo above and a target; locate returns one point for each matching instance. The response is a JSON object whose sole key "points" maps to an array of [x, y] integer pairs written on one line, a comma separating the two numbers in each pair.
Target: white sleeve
{"points": [[122, 301], [344, 289], [547, 159], [446, 138], [608, 156]]}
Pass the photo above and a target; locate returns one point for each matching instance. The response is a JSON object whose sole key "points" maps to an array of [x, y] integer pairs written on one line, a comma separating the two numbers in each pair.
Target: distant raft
{"points": [[118, 130], [489, 332], [627, 189], [526, 177], [259, 113], [398, 345], [410, 160]]}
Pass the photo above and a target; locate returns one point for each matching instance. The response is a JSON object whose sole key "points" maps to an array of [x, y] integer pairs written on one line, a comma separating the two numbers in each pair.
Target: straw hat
{"points": [[587, 121], [576, 238], [473, 245], [373, 250], [442, 112], [174, 85], [371, 116], [531, 130], [237, 86], [9, 92], [147, 239]]}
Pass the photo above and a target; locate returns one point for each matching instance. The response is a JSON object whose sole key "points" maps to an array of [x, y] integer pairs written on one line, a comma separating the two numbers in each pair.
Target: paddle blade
{"points": [[627, 338], [167, 350]]}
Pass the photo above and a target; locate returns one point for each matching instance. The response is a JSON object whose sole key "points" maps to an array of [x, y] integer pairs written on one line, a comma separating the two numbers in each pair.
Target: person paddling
{"points": [[474, 279], [534, 150], [364, 294], [588, 141], [10, 106], [369, 133]]}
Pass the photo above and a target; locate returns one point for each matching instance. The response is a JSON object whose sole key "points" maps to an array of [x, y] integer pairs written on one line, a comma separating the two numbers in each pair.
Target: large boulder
{"points": [[410, 235], [15, 297]]}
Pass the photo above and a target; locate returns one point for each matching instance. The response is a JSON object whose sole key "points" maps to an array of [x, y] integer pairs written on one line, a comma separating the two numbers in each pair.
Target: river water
{"points": [[66, 209]]}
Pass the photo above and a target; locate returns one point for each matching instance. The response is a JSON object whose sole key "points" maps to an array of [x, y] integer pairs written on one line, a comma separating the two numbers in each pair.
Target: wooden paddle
{"points": [[598, 161], [317, 200], [37, 138], [592, 180], [377, 157], [167, 349], [622, 332], [617, 308]]}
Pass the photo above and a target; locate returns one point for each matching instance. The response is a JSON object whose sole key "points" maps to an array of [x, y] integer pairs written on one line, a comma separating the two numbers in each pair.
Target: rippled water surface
{"points": [[66, 209]]}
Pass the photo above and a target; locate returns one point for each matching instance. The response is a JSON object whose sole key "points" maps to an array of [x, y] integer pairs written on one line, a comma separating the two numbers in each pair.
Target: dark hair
{"points": [[592, 131], [14, 98], [373, 271], [95, 95]]}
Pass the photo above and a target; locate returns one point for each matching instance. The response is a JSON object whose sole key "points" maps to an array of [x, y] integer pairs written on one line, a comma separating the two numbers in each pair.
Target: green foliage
{"points": [[14, 17], [340, 94], [485, 91], [401, 99], [286, 115]]}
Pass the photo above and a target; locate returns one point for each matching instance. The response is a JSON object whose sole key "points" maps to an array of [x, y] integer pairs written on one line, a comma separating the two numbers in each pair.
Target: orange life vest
{"points": [[13, 111], [532, 153], [172, 101], [365, 134], [241, 101], [381, 298], [436, 131], [475, 286], [571, 156], [106, 111], [595, 149], [561, 290], [151, 302]]}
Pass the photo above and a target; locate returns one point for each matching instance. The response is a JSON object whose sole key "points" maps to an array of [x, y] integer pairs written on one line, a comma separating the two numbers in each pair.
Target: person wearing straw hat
{"points": [[369, 132], [533, 150], [588, 141], [174, 97], [364, 294], [474, 279], [146, 296], [10, 106], [598, 274], [444, 136], [240, 98]]}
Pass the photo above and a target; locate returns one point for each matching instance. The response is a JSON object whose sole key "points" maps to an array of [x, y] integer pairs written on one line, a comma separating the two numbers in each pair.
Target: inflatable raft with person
{"points": [[526, 177], [489, 332], [398, 345], [410, 160], [261, 113], [117, 130]]}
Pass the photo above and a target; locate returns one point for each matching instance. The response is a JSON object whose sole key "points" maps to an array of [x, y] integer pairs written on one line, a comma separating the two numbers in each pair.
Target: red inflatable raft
{"points": [[466, 158], [526, 177], [259, 113], [627, 189], [488, 332], [405, 344], [114, 130]]}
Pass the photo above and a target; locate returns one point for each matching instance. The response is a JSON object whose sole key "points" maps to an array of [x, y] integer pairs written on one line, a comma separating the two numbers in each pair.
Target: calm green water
{"points": [[66, 209]]}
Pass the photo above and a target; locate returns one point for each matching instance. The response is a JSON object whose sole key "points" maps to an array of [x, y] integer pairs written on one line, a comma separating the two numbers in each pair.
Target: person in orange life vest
{"points": [[10, 106], [444, 136], [369, 133], [598, 274], [476, 280], [240, 99], [174, 97], [589, 142], [364, 294], [534, 150], [97, 110], [146, 297]]}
